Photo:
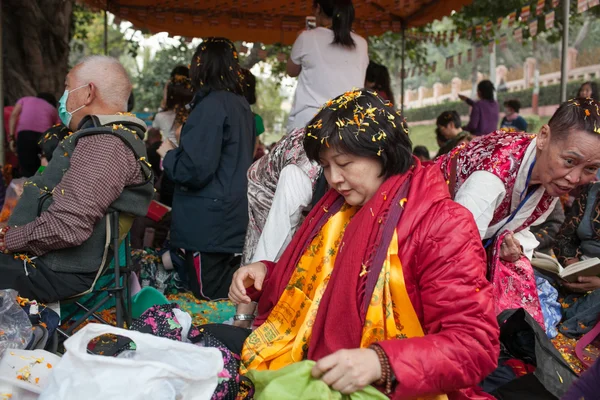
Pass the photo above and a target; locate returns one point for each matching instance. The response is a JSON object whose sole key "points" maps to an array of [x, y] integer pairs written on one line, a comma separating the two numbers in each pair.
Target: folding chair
{"points": [[117, 290]]}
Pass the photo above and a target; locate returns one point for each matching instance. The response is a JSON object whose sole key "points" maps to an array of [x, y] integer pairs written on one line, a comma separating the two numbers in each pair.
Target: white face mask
{"points": [[64, 115]]}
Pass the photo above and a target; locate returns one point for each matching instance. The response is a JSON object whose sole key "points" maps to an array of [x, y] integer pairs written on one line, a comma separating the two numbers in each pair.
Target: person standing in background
{"points": [[512, 119], [210, 204], [31, 117], [484, 112], [165, 117], [378, 79], [328, 60], [250, 95]]}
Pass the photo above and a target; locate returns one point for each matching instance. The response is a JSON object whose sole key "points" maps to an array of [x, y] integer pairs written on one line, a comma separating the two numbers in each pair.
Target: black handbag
{"points": [[522, 338]]}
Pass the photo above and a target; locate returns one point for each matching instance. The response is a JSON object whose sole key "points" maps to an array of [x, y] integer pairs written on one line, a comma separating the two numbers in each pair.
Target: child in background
{"points": [[422, 153], [589, 89], [378, 79], [512, 118]]}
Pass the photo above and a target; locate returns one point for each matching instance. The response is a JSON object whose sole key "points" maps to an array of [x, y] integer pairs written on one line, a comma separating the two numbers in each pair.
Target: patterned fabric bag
{"points": [[162, 321], [514, 284], [153, 273], [231, 385]]}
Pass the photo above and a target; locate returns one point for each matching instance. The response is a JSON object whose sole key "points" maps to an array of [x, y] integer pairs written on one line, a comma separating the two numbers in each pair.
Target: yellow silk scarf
{"points": [[284, 337]]}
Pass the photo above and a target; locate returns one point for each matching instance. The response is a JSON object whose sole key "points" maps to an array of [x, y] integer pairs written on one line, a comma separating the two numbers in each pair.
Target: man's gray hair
{"points": [[110, 78]]}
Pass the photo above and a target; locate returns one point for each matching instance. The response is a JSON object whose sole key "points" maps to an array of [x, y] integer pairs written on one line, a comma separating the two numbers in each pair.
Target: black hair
{"points": [[577, 114], [514, 104], [381, 133], [449, 116], [249, 86], [51, 139], [180, 70], [421, 152], [341, 13], [594, 86], [486, 90], [49, 97], [380, 76], [441, 139], [215, 66], [153, 133], [179, 92]]}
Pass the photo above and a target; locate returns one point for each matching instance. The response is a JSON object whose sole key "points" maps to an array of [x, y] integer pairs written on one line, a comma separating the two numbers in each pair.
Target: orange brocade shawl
{"points": [[285, 336]]}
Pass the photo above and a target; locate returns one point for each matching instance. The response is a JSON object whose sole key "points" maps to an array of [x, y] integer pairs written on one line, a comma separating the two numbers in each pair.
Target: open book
{"points": [[590, 267]]}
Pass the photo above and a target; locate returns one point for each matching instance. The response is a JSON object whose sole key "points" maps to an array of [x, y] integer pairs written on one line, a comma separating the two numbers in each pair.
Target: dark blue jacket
{"points": [[210, 204]]}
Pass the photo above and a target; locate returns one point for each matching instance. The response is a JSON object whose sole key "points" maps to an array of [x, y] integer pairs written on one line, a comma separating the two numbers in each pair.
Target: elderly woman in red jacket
{"points": [[384, 283]]}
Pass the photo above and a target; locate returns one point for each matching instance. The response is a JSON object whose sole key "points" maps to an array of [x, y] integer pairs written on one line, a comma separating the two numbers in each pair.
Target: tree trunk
{"points": [[36, 35]]}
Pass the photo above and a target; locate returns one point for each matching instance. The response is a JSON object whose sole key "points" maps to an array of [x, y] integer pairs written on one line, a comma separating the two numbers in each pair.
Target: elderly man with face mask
{"points": [[56, 238]]}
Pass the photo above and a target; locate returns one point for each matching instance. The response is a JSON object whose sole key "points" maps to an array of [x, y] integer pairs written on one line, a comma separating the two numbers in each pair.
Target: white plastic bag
{"points": [[158, 369], [24, 373]]}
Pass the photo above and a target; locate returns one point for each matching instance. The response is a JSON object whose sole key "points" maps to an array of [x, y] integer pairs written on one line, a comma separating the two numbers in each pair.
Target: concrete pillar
{"points": [[422, 90], [501, 72], [455, 87], [437, 91], [529, 71], [572, 58], [408, 97]]}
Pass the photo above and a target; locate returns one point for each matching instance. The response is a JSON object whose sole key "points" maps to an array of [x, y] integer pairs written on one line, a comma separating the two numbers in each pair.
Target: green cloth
{"points": [[296, 382], [260, 125]]}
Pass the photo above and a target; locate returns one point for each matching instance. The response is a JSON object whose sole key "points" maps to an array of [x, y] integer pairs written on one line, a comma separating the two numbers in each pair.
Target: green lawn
{"points": [[424, 135]]}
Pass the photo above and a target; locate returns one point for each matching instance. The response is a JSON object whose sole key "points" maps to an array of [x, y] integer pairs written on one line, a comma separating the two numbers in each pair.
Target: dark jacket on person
{"points": [[210, 204], [519, 124], [452, 143], [546, 232]]}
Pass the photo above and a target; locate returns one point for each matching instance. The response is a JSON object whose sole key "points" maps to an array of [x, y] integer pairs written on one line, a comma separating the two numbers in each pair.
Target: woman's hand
{"points": [[244, 277], [164, 148], [349, 371], [510, 249], [584, 284]]}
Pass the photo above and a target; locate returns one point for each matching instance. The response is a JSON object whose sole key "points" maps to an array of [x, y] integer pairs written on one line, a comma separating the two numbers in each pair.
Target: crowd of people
{"points": [[342, 244]]}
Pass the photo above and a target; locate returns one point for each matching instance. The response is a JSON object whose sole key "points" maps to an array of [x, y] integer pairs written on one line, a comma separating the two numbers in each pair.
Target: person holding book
{"points": [[579, 237], [359, 288], [510, 181]]}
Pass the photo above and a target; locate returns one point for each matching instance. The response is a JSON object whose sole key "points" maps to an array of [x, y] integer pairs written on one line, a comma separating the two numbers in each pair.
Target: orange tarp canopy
{"points": [[267, 21]]}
